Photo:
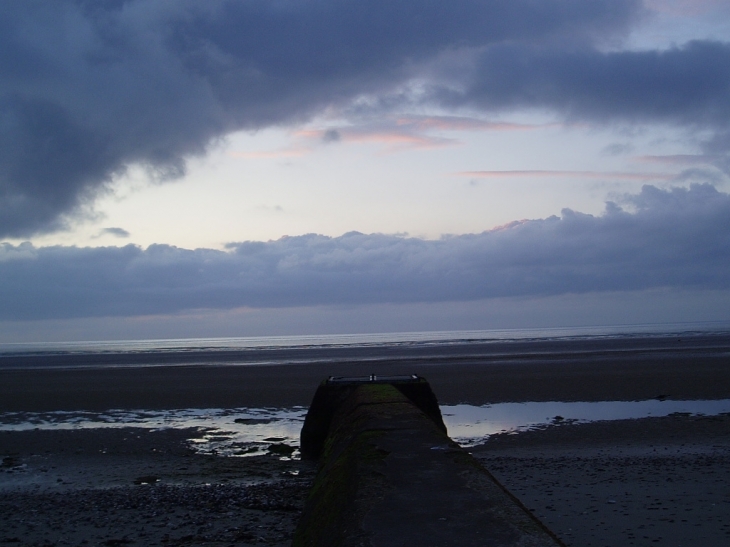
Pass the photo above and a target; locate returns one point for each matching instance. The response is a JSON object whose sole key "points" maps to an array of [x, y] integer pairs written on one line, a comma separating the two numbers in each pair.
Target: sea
{"points": [[303, 349], [241, 432]]}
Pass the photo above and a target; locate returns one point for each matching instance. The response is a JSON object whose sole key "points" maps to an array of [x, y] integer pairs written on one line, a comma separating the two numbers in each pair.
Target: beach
{"points": [[603, 369], [142, 487], [650, 481]]}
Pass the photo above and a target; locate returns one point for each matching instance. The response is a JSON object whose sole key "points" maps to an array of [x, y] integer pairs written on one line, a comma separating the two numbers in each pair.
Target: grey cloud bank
{"points": [[88, 88], [688, 86], [676, 239]]}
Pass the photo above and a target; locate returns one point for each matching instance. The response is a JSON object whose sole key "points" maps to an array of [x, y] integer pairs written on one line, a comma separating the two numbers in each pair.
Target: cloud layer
{"points": [[88, 88], [688, 85], [678, 238]]}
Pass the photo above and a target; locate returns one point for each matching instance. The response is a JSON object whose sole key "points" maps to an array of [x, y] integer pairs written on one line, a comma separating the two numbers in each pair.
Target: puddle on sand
{"points": [[253, 431], [470, 425], [228, 432]]}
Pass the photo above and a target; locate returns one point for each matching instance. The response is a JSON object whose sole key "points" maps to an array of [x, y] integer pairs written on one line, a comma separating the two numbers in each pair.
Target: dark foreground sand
{"points": [[135, 486], [647, 482], [659, 481]]}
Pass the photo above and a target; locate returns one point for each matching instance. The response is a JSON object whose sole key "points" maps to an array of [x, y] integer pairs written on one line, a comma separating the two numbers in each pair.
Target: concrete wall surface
{"points": [[389, 476]]}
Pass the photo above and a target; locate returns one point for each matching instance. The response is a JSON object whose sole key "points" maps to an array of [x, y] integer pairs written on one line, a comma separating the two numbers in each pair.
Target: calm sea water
{"points": [[275, 350]]}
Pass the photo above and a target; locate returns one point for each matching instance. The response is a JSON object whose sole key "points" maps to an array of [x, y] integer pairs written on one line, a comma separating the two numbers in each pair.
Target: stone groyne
{"points": [[390, 476]]}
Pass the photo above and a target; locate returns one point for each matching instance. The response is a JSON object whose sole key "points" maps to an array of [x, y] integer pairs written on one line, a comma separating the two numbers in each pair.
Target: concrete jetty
{"points": [[389, 476]]}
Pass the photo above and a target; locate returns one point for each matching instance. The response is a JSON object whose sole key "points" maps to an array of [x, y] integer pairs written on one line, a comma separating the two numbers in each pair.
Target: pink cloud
{"points": [[394, 138], [458, 123], [409, 132], [401, 139], [567, 174]]}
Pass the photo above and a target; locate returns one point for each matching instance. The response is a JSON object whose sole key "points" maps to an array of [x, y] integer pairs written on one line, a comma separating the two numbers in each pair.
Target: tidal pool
{"points": [[470, 425], [252, 431]]}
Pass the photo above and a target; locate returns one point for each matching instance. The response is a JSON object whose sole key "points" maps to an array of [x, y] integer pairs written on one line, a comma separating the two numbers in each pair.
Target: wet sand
{"points": [[602, 370], [136, 486], [658, 481], [646, 482]]}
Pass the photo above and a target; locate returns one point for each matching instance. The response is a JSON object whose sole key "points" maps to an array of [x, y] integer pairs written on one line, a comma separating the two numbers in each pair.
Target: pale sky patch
{"points": [[272, 154]]}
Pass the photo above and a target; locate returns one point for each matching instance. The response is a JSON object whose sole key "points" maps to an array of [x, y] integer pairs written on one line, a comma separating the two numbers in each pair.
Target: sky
{"points": [[175, 169]]}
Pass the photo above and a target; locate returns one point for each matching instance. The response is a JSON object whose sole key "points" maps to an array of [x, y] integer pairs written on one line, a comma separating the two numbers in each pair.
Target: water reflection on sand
{"points": [[251, 431], [229, 432], [470, 425]]}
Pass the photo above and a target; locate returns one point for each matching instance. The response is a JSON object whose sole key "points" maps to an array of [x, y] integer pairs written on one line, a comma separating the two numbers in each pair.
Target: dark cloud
{"points": [[88, 88], [331, 135], [678, 238], [689, 85], [116, 232]]}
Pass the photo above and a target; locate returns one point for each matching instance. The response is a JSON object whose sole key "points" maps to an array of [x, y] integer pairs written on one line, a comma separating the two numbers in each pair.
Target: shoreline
{"points": [[224, 386], [434, 351]]}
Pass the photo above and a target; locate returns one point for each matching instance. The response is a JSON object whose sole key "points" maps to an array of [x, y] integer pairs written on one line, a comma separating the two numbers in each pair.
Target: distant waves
{"points": [[324, 350]]}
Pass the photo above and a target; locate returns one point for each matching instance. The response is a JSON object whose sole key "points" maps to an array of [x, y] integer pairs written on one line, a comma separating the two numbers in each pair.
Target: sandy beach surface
{"points": [[644, 482], [143, 487], [653, 481], [695, 367]]}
